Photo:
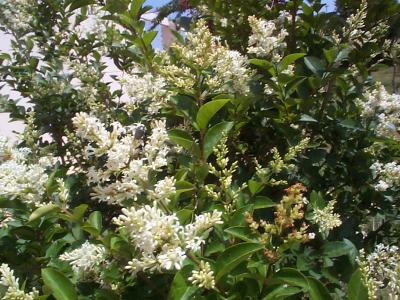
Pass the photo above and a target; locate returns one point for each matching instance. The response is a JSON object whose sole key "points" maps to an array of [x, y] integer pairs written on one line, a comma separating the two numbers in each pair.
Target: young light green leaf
{"points": [[42, 211], [233, 256], [208, 110], [95, 219], [61, 287]]}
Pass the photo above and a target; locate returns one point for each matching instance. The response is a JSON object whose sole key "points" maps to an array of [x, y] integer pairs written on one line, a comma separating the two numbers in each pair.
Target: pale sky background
{"points": [[8, 129]]}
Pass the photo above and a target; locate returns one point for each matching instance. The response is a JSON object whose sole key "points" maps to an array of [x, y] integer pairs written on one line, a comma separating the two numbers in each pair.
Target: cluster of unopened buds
{"points": [[289, 212]]}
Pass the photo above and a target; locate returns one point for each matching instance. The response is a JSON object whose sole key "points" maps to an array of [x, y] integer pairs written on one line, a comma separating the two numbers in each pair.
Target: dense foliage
{"points": [[255, 158]]}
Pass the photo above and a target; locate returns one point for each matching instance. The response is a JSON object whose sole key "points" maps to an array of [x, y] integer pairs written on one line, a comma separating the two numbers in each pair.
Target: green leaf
{"points": [[292, 277], [95, 219], [242, 232], [184, 215], [186, 106], [149, 37], [180, 289], [116, 6], [80, 3], [7, 203], [61, 287], [315, 65], [292, 85], [208, 110], [336, 249], [42, 211], [136, 6], [214, 135], [263, 202], [281, 292], [254, 186], [343, 54], [316, 200], [181, 138], [261, 63], [289, 59], [233, 256], [330, 54], [317, 290], [356, 289], [307, 118], [79, 212]]}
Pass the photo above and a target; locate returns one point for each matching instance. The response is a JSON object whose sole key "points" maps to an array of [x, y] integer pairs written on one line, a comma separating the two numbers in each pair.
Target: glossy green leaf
{"points": [[254, 186], [95, 219], [61, 287], [292, 277], [186, 106], [80, 3], [233, 256], [214, 136], [42, 211], [336, 249], [242, 232], [181, 137], [149, 37], [315, 65], [330, 54], [317, 290], [281, 292], [79, 212], [263, 202], [289, 59], [307, 118], [208, 110], [180, 288], [356, 289]]}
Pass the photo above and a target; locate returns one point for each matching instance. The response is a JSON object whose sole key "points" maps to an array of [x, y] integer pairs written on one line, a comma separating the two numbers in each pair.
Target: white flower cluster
{"points": [[266, 39], [86, 259], [13, 291], [15, 15], [381, 272], [384, 109], [143, 90], [161, 239], [355, 31], [94, 24], [129, 159], [388, 175], [203, 278], [224, 70], [18, 178], [325, 218]]}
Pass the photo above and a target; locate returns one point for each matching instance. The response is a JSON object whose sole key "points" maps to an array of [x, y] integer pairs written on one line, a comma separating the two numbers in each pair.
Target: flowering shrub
{"points": [[253, 159]]}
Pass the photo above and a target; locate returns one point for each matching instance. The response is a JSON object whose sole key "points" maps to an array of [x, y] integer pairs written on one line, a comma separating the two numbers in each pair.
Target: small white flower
{"points": [[224, 22], [85, 259]]}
